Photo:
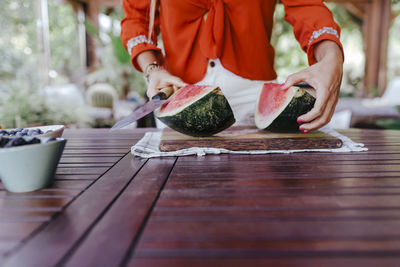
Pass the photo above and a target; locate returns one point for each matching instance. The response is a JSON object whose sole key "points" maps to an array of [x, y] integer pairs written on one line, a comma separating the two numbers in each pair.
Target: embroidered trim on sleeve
{"points": [[137, 40], [317, 34]]}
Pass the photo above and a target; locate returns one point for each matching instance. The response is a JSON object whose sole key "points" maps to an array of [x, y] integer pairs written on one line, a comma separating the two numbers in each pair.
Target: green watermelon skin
{"points": [[207, 116], [287, 120]]}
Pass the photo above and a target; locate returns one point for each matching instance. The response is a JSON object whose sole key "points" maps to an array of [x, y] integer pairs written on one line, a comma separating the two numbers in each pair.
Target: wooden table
{"points": [[108, 208]]}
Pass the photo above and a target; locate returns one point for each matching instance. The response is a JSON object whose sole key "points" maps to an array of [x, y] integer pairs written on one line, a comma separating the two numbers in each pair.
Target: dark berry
{"points": [[6, 142], [3, 141]]}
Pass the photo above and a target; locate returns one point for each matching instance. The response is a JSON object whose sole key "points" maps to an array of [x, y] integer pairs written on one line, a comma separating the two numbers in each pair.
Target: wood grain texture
{"points": [[314, 209], [244, 138], [306, 209], [23, 216], [67, 228], [124, 219]]}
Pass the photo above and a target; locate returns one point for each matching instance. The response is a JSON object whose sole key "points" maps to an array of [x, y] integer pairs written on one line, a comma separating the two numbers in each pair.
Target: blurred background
{"points": [[62, 62]]}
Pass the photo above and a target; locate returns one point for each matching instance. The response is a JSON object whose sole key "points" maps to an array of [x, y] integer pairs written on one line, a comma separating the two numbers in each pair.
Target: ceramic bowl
{"points": [[57, 130], [30, 167]]}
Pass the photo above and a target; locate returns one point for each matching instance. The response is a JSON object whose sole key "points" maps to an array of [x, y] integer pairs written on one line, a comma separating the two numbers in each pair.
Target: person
{"points": [[227, 43]]}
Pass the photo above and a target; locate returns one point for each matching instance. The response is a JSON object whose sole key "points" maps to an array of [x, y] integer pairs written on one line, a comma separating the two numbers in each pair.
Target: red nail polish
{"points": [[301, 129], [299, 121], [306, 131]]}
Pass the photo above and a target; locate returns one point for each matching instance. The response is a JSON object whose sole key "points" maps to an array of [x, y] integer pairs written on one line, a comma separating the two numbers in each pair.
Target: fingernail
{"points": [[301, 129], [306, 131], [299, 121]]}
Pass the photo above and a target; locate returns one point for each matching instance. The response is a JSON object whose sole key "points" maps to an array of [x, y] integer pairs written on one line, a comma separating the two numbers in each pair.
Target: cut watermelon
{"points": [[197, 111], [277, 110]]}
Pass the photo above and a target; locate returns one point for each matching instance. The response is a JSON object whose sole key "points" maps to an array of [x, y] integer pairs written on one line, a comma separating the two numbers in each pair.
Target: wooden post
{"points": [[82, 38], [376, 34], [43, 41], [92, 12]]}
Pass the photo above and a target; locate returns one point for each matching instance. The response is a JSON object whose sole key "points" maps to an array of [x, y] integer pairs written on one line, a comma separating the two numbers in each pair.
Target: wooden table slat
{"points": [[123, 221]]}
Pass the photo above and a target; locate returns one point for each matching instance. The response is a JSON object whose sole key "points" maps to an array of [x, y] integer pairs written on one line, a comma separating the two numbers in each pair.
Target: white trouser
{"points": [[241, 93]]}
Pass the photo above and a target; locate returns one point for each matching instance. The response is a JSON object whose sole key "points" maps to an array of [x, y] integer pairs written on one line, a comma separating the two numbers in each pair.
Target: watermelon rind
{"points": [[208, 115], [284, 119], [205, 90]]}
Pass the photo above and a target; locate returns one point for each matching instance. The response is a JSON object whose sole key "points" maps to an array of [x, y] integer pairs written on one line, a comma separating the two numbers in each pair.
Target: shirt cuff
{"points": [[326, 33], [139, 44]]}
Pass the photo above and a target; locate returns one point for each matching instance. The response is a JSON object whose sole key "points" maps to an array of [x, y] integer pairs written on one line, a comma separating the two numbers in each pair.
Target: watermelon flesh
{"points": [[197, 111], [277, 109], [184, 97]]}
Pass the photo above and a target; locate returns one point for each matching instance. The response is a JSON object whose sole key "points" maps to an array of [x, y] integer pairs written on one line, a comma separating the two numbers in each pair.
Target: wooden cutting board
{"points": [[247, 138]]}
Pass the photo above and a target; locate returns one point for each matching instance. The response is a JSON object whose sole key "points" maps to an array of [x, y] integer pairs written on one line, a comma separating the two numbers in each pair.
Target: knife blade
{"points": [[156, 101]]}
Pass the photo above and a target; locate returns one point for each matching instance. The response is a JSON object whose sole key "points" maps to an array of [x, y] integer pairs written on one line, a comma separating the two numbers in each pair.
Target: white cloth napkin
{"points": [[148, 147]]}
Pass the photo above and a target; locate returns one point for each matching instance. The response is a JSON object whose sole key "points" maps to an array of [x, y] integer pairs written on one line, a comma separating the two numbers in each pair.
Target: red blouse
{"points": [[238, 32]]}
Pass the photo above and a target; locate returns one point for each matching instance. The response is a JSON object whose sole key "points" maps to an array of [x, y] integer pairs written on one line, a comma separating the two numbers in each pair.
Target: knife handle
{"points": [[163, 94], [304, 85]]}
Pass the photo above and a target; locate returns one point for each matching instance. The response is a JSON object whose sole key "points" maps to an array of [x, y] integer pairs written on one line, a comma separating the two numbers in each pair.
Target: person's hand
{"points": [[325, 76], [159, 79]]}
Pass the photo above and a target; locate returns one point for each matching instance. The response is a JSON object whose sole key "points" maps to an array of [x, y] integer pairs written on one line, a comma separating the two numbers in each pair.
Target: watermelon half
{"points": [[197, 111], [277, 110]]}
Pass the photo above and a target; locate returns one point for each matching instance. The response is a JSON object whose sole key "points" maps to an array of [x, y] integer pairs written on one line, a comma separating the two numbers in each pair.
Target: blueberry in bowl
{"points": [[18, 141], [29, 163], [41, 131]]}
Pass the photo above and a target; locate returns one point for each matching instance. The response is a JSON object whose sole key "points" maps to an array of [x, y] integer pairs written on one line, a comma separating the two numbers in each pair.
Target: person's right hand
{"points": [[159, 79]]}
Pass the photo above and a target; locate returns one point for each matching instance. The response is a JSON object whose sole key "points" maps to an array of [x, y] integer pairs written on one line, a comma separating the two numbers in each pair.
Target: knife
{"points": [[156, 101]]}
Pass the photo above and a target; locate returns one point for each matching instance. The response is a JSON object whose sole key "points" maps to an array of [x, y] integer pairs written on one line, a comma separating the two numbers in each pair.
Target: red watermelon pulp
{"points": [[197, 111], [277, 110]]}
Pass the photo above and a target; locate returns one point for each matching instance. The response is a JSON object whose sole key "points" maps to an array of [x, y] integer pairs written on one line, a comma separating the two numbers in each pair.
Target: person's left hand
{"points": [[325, 76]]}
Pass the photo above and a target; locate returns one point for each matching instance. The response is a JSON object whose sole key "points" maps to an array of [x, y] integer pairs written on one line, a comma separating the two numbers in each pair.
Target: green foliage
{"points": [[21, 104], [18, 42], [394, 44], [92, 30], [116, 67], [24, 107], [64, 44], [120, 51], [389, 124], [18, 51], [289, 57]]}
